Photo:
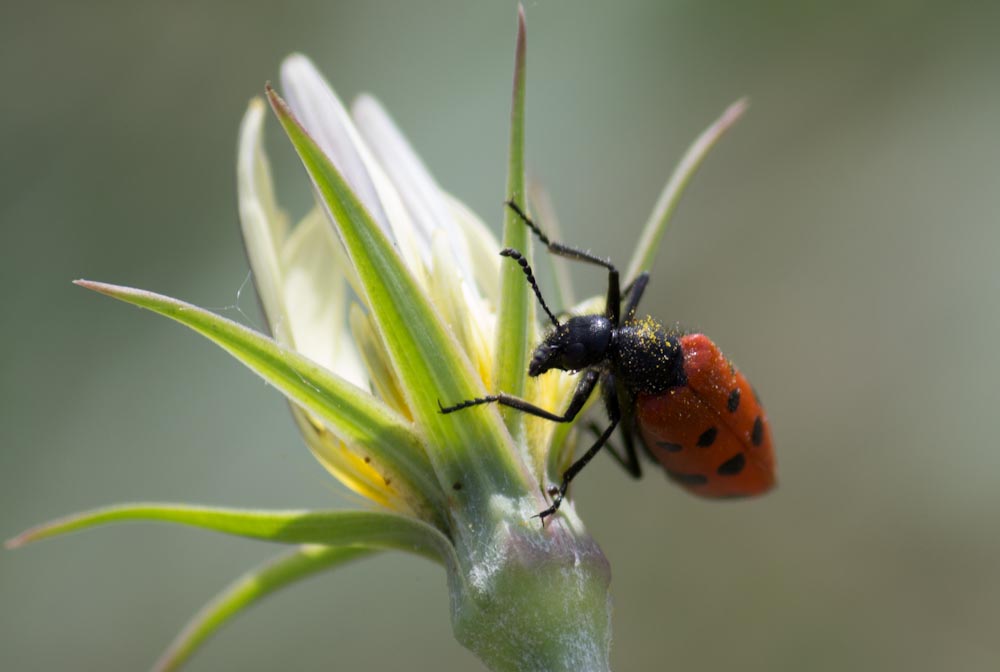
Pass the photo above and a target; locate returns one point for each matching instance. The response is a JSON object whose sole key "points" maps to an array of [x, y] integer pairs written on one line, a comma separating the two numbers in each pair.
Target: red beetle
{"points": [[696, 414]]}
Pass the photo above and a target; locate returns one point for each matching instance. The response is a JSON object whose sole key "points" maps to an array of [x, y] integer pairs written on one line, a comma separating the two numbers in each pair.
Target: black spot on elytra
{"points": [[670, 447], [734, 400], [456, 486], [687, 479], [757, 435], [707, 437], [732, 466]]}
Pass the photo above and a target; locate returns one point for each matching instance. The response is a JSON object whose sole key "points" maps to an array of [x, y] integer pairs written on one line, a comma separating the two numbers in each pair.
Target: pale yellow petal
{"points": [[315, 295], [376, 360], [325, 118], [417, 189], [321, 113], [484, 249], [357, 472], [263, 224], [462, 309]]}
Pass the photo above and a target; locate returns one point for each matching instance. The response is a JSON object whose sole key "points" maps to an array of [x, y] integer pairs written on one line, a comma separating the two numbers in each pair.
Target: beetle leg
{"points": [[626, 457], [583, 391], [634, 293], [613, 306], [614, 414]]}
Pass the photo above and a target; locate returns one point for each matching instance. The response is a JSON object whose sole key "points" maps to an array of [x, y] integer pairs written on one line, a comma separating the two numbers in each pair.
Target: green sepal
{"points": [[354, 415], [472, 450], [371, 529]]}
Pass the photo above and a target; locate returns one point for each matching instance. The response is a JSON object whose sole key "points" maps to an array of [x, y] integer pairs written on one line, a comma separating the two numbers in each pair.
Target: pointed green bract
{"points": [[515, 310], [354, 415], [371, 529], [432, 368], [649, 243], [248, 589]]}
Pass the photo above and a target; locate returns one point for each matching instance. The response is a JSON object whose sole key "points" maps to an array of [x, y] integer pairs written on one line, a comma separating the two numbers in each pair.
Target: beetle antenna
{"points": [[519, 258], [527, 221]]}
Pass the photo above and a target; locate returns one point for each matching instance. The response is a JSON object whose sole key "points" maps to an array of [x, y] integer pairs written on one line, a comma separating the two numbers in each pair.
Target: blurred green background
{"points": [[841, 245]]}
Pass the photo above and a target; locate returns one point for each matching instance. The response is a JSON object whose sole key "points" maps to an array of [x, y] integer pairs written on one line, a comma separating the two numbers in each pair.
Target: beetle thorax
{"points": [[646, 357]]}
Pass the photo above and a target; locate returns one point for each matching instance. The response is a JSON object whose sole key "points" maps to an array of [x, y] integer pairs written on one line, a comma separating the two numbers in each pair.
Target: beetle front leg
{"points": [[583, 391], [577, 466]]}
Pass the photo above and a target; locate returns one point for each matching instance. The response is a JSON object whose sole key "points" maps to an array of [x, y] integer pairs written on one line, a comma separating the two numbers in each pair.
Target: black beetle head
{"points": [[575, 344]]}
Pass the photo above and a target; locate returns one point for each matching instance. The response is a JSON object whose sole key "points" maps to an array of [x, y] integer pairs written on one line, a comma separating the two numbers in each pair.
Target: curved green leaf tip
{"points": [[354, 414], [326, 539], [370, 529], [649, 242], [250, 588]]}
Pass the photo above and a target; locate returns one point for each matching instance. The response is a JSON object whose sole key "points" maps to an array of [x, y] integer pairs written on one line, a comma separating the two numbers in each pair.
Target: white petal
{"points": [[324, 117], [467, 314], [264, 225], [315, 297], [484, 248], [419, 192]]}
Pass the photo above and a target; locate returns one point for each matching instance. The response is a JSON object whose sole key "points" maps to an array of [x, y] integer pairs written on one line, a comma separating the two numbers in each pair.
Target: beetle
{"points": [[692, 409]]}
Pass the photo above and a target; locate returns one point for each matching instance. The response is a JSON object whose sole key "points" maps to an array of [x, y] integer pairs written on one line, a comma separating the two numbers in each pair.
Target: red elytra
{"points": [[694, 412], [710, 433]]}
